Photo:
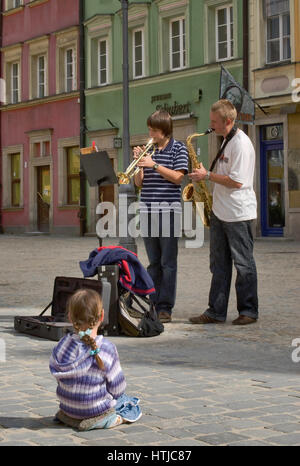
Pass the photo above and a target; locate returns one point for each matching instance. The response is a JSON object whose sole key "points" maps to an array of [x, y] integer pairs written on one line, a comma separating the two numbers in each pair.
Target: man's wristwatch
{"points": [[207, 176], [155, 166]]}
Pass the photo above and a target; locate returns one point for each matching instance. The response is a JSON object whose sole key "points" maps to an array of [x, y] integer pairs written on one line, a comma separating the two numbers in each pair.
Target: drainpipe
{"points": [[246, 50], [126, 192], [82, 208], [1, 197]]}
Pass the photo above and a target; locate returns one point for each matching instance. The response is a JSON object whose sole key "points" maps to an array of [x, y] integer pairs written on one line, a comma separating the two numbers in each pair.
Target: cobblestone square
{"points": [[198, 385]]}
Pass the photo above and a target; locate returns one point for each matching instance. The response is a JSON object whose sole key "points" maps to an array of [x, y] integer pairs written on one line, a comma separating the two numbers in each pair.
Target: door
{"points": [[43, 198], [272, 181], [106, 194]]}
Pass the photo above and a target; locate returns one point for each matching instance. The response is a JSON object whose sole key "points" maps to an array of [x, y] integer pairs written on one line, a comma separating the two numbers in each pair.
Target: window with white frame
{"points": [[99, 48], [38, 66], [277, 13], [69, 70], [15, 83], [11, 65], [224, 33], [102, 62], [177, 44], [41, 76], [138, 54], [66, 60]]}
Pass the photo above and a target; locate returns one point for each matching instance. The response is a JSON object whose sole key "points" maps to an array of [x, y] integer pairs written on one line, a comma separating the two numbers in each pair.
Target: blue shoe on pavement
{"points": [[128, 408]]}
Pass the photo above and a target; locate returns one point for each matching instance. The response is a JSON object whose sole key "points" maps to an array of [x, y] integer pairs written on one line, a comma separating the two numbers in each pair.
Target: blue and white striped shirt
{"points": [[159, 194]]}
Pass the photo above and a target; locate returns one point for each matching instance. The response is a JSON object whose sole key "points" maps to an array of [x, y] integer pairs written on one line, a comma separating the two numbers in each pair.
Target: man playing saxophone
{"points": [[160, 178], [234, 207]]}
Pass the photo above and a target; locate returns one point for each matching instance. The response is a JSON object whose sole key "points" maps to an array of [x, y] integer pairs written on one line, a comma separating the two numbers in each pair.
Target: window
{"points": [[69, 70], [38, 67], [38, 80], [222, 30], [10, 4], [12, 177], [173, 35], [99, 49], [278, 38], [177, 44], [66, 60], [138, 53], [224, 33], [14, 83], [41, 149], [278, 30], [15, 180], [41, 77], [73, 180], [103, 62]]}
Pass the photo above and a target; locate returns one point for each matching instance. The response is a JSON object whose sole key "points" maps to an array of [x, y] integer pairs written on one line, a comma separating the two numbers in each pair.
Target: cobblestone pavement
{"points": [[199, 385]]}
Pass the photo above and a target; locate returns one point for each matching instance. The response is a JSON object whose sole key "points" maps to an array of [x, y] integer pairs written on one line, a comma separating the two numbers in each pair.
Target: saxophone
{"points": [[198, 192]]}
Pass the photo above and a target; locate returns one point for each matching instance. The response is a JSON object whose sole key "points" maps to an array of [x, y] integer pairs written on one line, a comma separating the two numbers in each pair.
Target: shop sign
{"points": [[176, 108]]}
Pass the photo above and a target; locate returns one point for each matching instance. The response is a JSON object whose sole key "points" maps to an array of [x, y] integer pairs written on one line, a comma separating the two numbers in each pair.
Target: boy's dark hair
{"points": [[161, 120]]}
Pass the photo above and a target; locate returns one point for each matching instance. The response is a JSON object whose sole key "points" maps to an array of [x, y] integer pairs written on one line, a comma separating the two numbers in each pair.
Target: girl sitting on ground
{"points": [[91, 383]]}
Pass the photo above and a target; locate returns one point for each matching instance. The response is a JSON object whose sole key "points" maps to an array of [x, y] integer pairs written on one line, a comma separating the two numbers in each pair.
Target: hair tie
{"points": [[94, 352], [83, 333]]}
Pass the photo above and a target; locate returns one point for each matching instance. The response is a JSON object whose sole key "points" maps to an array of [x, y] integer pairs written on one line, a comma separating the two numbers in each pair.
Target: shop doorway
{"points": [[43, 198], [272, 180], [106, 194]]}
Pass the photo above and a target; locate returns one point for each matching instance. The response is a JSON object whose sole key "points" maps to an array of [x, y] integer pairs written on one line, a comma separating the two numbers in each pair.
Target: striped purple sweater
{"points": [[84, 390]]}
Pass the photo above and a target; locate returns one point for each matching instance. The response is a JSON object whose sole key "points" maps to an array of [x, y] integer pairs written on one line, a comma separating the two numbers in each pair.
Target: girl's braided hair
{"points": [[84, 310]]}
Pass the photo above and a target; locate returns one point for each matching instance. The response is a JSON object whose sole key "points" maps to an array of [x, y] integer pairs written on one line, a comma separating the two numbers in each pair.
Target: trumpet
{"points": [[133, 169]]}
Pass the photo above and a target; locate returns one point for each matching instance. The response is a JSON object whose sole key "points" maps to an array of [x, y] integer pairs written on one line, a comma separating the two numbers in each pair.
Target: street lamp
{"points": [[126, 192]]}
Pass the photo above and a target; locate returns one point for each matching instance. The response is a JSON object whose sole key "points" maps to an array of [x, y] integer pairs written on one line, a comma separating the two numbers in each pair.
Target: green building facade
{"points": [[176, 49]]}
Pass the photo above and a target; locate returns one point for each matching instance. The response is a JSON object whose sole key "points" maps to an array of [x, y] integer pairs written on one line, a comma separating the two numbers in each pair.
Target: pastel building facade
{"points": [[274, 57], [176, 48], [40, 116]]}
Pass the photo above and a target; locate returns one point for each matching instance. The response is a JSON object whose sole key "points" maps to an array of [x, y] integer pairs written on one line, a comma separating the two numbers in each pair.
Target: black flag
{"points": [[231, 90]]}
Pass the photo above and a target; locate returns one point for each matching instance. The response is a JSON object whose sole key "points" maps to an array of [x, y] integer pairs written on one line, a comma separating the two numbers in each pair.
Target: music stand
{"points": [[99, 171]]}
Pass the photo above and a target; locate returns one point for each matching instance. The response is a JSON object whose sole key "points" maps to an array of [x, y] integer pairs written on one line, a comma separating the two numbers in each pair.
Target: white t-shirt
{"points": [[237, 162]]}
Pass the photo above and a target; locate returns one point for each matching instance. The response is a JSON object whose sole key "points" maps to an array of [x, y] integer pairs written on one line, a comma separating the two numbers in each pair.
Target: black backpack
{"points": [[137, 316]]}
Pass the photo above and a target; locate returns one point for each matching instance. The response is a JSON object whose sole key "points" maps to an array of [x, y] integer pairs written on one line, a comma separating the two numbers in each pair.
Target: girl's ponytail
{"points": [[94, 349], [85, 337]]}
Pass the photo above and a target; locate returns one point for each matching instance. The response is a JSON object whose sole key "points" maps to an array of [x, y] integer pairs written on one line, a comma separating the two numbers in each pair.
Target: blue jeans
{"points": [[232, 242], [162, 252]]}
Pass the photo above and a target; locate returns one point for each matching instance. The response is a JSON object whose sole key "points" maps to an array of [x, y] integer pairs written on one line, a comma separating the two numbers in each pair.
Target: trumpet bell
{"points": [[133, 169], [123, 178]]}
